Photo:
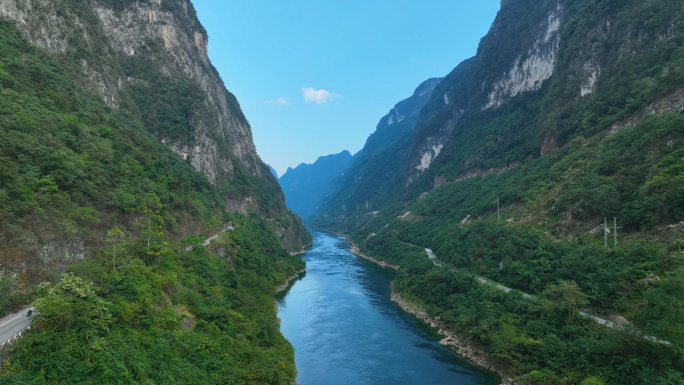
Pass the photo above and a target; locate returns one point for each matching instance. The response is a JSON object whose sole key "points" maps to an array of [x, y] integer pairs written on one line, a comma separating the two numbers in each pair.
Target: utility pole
{"points": [[605, 232], [614, 232], [498, 213]]}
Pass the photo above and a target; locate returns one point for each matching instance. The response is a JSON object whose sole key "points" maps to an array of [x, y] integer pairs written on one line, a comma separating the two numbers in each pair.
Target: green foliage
{"points": [[593, 380], [558, 162], [548, 199], [663, 314], [114, 237], [204, 316], [72, 304], [565, 296], [66, 157], [541, 345], [76, 171], [72, 167]]}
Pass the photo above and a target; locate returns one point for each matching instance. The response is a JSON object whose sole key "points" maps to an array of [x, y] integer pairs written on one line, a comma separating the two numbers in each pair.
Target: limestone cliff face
{"points": [[147, 59], [379, 158], [521, 67], [437, 119], [529, 69], [563, 51], [546, 72], [126, 29]]}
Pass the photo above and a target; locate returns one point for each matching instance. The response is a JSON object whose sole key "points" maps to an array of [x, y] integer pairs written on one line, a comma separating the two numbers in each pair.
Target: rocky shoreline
{"points": [[285, 284], [355, 250], [302, 251], [463, 348]]}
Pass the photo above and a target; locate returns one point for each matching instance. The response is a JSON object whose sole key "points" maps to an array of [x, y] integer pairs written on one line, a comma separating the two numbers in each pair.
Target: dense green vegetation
{"points": [[203, 316], [71, 167], [549, 207], [543, 344], [88, 187], [549, 241], [513, 133]]}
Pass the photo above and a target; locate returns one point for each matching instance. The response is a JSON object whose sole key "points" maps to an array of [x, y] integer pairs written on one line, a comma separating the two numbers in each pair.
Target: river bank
{"points": [[463, 348], [303, 250], [281, 288], [355, 250], [285, 284]]}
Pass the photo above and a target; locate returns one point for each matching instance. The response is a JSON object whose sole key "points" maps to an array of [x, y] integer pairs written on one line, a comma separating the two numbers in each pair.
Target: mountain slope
{"points": [[306, 186], [569, 113], [147, 64], [378, 159], [120, 149], [273, 171]]}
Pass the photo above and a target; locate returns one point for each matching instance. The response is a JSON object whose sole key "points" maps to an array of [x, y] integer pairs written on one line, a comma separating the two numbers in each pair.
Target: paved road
{"points": [[13, 324]]}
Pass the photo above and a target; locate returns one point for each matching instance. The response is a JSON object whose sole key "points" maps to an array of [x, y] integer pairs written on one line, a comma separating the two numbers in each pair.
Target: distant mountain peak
{"points": [[306, 186]]}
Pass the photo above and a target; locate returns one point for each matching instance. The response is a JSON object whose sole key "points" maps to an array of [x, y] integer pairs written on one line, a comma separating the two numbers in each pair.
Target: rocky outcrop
{"points": [[530, 69], [128, 32], [149, 60], [464, 348], [287, 282], [672, 102], [355, 250]]}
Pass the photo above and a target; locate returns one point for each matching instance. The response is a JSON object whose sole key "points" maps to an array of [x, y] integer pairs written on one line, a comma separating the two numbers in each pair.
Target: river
{"points": [[346, 330]]}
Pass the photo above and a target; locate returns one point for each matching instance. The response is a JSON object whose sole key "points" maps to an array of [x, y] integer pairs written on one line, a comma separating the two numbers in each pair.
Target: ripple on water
{"points": [[346, 330]]}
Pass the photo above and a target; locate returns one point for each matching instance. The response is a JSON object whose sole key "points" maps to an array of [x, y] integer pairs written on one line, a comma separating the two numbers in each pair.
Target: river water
{"points": [[346, 330]]}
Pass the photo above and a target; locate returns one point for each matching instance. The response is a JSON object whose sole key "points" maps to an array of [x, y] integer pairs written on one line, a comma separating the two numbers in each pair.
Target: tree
{"points": [[663, 313], [564, 295], [114, 237], [73, 304], [151, 224], [593, 380]]}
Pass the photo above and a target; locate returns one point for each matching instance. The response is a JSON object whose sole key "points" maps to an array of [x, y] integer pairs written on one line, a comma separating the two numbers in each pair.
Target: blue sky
{"points": [[315, 77]]}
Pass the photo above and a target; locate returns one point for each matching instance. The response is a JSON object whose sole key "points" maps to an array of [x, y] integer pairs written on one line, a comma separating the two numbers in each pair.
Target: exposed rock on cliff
{"points": [[147, 61]]}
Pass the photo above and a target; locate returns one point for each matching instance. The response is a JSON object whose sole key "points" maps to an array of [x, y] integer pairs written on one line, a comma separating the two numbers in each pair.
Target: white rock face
{"points": [[46, 34], [428, 156], [593, 72], [529, 71], [129, 31], [395, 116]]}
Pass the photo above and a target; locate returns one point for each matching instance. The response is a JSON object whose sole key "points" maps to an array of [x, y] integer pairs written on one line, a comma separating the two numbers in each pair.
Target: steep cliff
{"points": [[147, 62], [545, 73], [376, 164], [306, 186], [131, 47], [120, 151], [550, 162]]}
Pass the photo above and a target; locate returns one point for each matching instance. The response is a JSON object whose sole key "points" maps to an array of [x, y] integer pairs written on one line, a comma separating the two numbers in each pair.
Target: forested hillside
{"points": [[77, 163], [571, 112], [306, 185], [119, 148], [376, 164]]}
